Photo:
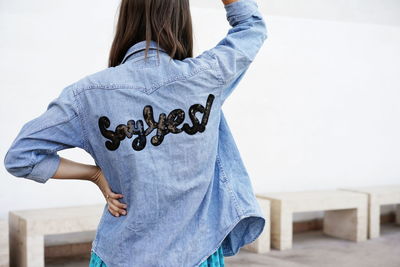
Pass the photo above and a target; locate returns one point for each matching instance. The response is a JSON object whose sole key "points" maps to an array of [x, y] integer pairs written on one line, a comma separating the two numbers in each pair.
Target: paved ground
{"points": [[313, 249]]}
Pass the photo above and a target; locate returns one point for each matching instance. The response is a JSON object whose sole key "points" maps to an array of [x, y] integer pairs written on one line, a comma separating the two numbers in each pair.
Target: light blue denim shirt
{"points": [[155, 127]]}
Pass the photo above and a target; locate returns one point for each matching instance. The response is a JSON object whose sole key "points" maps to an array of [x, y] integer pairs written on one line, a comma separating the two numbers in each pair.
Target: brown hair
{"points": [[167, 22]]}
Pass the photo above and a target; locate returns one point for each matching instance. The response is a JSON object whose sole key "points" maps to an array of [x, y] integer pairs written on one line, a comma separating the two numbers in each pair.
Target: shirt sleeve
{"points": [[33, 153], [234, 53]]}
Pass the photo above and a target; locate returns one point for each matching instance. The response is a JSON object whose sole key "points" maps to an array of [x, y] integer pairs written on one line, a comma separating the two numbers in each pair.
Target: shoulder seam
{"points": [[217, 68]]}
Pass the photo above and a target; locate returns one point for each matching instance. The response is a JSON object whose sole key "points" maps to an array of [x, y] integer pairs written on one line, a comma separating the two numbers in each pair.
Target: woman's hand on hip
{"points": [[114, 206]]}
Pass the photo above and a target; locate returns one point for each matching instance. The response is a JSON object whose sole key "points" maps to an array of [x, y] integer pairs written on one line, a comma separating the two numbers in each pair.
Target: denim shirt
{"points": [[156, 129]]}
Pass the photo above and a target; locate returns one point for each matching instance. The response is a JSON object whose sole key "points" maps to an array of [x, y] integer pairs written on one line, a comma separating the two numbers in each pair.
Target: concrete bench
{"points": [[345, 214], [27, 229], [71, 245], [4, 250], [377, 196], [263, 243]]}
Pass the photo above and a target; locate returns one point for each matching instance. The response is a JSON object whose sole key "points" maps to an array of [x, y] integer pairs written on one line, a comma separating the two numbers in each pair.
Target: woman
{"points": [[176, 188]]}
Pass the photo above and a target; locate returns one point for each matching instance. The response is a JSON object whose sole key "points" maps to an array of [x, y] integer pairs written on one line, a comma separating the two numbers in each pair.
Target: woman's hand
{"points": [[114, 206]]}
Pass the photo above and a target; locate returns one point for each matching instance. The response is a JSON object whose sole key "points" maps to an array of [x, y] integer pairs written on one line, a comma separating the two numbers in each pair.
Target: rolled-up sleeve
{"points": [[33, 153]]}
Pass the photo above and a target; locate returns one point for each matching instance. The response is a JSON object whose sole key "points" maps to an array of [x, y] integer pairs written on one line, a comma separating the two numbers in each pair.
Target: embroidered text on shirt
{"points": [[165, 125]]}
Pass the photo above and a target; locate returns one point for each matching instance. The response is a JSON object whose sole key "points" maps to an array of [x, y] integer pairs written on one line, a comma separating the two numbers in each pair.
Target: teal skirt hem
{"points": [[215, 260]]}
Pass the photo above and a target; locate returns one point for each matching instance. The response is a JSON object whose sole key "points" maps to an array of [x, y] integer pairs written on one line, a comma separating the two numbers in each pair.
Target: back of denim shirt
{"points": [[155, 127]]}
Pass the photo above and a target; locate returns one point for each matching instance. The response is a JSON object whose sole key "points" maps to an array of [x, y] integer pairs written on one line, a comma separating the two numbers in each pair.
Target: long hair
{"points": [[167, 22]]}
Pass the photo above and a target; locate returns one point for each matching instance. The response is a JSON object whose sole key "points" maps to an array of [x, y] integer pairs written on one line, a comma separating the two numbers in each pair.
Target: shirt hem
{"points": [[228, 231], [212, 251]]}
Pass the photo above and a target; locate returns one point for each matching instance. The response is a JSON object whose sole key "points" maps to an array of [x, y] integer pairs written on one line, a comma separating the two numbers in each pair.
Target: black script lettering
{"points": [[165, 125], [197, 126]]}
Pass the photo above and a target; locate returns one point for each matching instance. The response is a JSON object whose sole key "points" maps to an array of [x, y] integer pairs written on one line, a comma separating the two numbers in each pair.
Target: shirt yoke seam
{"points": [[152, 88]]}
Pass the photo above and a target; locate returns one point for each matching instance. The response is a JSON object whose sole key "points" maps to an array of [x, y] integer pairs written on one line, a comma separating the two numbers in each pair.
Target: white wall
{"points": [[325, 86], [384, 12]]}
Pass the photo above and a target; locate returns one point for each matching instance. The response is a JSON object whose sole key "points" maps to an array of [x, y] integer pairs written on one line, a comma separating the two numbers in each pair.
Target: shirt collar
{"points": [[139, 48]]}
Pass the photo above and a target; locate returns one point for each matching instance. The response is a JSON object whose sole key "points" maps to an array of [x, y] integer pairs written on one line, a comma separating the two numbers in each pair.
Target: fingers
{"points": [[114, 195], [119, 204], [113, 211], [115, 207]]}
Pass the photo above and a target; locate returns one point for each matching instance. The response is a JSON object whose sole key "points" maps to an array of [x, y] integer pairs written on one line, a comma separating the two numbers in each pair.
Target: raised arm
{"points": [[234, 53]]}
